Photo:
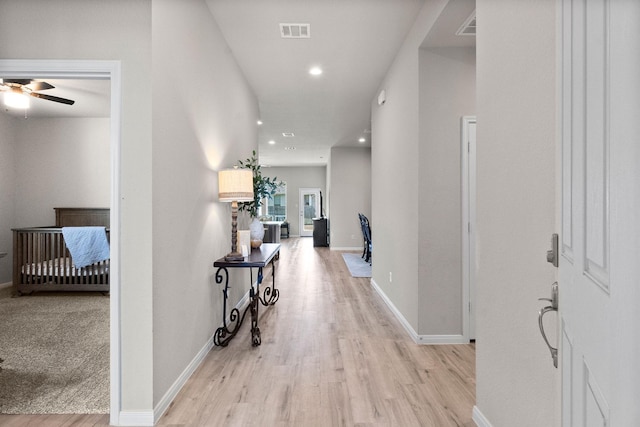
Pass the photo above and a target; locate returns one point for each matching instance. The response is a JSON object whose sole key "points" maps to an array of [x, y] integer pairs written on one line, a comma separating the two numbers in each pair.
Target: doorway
{"points": [[309, 209], [70, 69]]}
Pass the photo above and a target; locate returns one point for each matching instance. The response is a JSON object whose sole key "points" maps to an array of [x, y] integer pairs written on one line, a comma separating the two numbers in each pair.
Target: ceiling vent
{"points": [[469, 26], [295, 31], [288, 134]]}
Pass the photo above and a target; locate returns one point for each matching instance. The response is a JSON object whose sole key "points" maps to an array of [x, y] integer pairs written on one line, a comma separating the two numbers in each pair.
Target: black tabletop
{"points": [[259, 257]]}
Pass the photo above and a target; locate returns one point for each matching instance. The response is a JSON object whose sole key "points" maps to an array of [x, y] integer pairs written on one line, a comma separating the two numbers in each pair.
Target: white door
{"points": [[468, 150], [309, 209], [599, 277]]}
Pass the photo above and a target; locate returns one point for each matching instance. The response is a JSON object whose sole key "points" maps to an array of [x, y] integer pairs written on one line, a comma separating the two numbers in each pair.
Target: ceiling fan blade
{"points": [[39, 86], [21, 82], [53, 98]]}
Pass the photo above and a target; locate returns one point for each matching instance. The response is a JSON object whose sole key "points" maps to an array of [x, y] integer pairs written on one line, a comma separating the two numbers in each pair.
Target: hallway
{"points": [[332, 354]]}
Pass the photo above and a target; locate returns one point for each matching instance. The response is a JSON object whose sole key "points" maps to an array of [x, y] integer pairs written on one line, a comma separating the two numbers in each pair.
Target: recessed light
{"points": [[361, 140], [272, 142], [259, 122], [315, 71]]}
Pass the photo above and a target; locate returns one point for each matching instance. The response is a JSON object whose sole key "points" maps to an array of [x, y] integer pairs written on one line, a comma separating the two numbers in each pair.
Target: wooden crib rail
{"points": [[41, 261]]}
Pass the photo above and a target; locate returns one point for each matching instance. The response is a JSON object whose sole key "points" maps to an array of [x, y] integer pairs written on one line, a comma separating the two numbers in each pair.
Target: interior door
{"points": [[600, 242], [309, 209]]}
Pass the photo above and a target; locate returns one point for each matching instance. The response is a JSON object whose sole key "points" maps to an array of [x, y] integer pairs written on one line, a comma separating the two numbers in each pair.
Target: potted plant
{"points": [[263, 188]]}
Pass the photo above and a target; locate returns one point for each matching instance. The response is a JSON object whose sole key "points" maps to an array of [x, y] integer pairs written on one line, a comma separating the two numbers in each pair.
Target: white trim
{"points": [[479, 418], [136, 418], [347, 248], [407, 326], [468, 222], [175, 388], [95, 69], [418, 339], [182, 379], [442, 339]]}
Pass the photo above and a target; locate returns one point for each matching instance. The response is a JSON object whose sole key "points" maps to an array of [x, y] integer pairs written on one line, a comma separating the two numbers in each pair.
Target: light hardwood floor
{"points": [[332, 354]]}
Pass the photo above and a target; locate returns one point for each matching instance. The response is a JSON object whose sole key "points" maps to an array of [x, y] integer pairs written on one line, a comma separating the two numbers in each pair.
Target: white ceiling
{"points": [[354, 41]]}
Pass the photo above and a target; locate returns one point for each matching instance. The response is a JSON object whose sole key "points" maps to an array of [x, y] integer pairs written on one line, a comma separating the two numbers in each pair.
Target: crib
{"points": [[42, 262]]}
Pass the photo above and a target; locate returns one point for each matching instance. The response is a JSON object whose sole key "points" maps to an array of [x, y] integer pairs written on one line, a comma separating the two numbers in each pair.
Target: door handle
{"points": [[553, 307]]}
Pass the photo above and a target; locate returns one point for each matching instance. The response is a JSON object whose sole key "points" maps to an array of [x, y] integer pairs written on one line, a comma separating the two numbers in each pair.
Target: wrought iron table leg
{"points": [[255, 330], [228, 330], [271, 294], [225, 333]]}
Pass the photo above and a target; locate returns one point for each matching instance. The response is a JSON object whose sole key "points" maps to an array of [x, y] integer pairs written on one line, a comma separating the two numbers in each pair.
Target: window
{"points": [[275, 208]]}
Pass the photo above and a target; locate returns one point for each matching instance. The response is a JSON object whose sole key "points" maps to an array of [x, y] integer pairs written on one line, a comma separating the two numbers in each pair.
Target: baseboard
{"points": [[418, 339], [442, 339], [175, 388], [137, 418], [6, 285], [346, 248], [479, 418]]}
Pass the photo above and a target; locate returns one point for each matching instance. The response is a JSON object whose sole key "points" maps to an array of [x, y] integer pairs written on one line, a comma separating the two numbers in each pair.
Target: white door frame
{"points": [[302, 192], [89, 69], [468, 154]]}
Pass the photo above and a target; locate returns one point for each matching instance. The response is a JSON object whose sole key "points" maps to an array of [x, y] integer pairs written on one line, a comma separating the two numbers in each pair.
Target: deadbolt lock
{"points": [[552, 255]]}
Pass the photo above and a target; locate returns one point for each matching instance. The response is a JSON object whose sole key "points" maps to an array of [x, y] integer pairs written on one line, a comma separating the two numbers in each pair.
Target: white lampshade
{"points": [[16, 100], [235, 185]]}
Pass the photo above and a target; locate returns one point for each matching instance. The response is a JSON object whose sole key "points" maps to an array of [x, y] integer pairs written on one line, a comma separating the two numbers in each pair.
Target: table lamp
{"points": [[235, 185]]}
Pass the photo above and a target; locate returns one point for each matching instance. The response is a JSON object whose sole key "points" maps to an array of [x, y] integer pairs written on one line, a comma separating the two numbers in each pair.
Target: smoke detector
{"points": [[295, 31]]}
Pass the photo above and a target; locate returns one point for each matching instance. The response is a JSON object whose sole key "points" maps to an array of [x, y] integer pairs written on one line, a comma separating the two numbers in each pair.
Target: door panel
{"points": [[584, 278], [600, 205]]}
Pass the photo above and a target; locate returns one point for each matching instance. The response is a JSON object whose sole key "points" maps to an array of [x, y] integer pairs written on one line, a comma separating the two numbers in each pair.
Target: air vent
{"points": [[288, 134], [469, 26], [295, 31]]}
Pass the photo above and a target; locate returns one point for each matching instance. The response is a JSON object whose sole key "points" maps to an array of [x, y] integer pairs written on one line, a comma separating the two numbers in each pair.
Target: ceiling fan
{"points": [[27, 87]]}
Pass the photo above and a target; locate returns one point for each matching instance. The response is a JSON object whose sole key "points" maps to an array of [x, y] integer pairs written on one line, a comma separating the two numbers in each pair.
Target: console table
{"points": [[258, 258]]}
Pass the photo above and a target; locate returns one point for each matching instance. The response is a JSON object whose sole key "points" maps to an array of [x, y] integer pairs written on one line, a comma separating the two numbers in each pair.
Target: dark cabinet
{"points": [[320, 232], [271, 232]]}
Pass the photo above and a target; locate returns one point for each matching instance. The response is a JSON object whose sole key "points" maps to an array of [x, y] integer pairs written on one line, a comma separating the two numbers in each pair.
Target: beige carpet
{"points": [[55, 348]]}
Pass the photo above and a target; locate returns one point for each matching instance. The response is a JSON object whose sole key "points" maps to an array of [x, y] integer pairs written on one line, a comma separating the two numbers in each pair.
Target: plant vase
{"points": [[256, 232]]}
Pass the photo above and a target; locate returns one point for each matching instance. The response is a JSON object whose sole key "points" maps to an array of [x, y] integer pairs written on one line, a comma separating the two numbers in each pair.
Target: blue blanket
{"points": [[87, 245]]}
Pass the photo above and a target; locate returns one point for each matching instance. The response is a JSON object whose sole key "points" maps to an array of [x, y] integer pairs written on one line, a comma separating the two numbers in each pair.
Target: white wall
{"points": [[447, 92], [296, 178], [47, 163], [516, 94], [394, 178], [61, 162], [350, 195], [113, 30], [204, 120], [7, 194]]}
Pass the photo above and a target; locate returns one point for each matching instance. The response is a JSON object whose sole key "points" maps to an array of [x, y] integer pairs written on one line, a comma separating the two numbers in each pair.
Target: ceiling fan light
{"points": [[16, 100]]}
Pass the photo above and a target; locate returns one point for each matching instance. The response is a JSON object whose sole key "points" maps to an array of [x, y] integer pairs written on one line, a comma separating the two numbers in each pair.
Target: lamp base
{"points": [[234, 256]]}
